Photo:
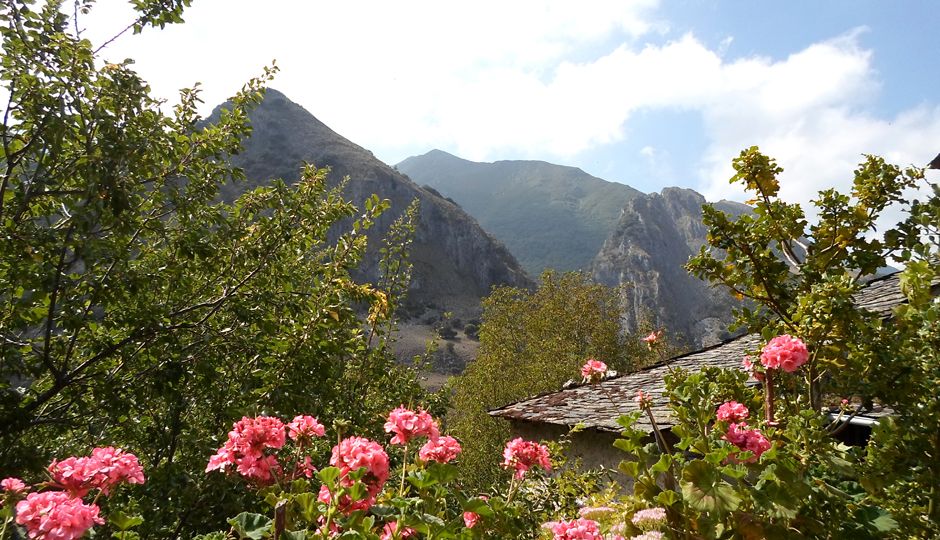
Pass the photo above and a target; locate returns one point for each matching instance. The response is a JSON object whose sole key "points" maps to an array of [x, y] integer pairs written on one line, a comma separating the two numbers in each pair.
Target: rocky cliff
{"points": [[654, 237], [549, 216], [455, 261]]}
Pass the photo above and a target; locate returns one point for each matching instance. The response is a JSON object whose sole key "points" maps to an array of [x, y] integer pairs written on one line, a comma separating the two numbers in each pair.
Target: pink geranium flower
{"points": [[653, 338], [576, 529], [442, 450], [74, 474], [246, 448], [305, 468], [784, 352], [643, 399], [748, 366], [391, 532], [732, 411], [352, 454], [13, 485], [104, 469], [407, 424], [305, 427], [55, 515], [745, 438], [116, 466], [521, 455], [593, 370], [472, 518]]}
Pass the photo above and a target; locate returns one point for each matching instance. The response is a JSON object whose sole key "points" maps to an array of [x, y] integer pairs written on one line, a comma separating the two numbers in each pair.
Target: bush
{"points": [[737, 472], [532, 342], [140, 312]]}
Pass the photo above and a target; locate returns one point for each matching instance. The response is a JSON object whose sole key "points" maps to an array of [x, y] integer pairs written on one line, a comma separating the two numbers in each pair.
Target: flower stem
{"points": [[769, 397], [512, 490], [404, 468]]}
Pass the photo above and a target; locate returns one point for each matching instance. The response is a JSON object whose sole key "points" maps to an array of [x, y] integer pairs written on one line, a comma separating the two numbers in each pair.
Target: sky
{"points": [[645, 92]]}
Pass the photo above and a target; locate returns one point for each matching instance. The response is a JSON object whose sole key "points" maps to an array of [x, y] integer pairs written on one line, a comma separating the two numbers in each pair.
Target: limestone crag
{"points": [[646, 251]]}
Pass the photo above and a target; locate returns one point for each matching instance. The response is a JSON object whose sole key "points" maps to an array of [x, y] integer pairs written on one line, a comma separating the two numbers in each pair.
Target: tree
{"points": [[803, 277], [138, 311], [533, 342]]}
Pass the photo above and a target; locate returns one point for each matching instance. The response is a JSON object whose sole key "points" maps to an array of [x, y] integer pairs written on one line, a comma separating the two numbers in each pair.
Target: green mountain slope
{"points": [[549, 216]]}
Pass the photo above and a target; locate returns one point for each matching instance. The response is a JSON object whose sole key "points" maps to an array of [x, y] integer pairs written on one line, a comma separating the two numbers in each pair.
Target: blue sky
{"points": [[901, 37], [646, 92]]}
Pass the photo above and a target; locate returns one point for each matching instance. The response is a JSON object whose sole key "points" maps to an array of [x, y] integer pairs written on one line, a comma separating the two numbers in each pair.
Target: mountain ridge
{"points": [[455, 261], [547, 215]]}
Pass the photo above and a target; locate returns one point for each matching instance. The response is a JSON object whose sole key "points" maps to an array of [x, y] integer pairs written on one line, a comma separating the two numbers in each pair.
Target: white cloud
{"points": [[387, 74], [545, 80]]}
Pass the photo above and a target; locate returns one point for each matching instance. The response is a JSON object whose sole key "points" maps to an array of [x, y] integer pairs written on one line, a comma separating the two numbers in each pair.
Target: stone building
{"points": [[597, 406]]}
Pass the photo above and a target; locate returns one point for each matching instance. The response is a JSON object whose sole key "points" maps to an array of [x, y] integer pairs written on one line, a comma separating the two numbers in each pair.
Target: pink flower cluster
{"points": [[593, 370], [649, 518], [521, 455], [304, 427], [732, 411], [352, 454], [745, 438], [653, 338], [575, 529], [748, 366], [56, 515], [643, 399], [472, 518], [784, 352], [407, 424], [62, 515], [246, 448], [104, 469], [442, 450], [391, 532], [13, 485]]}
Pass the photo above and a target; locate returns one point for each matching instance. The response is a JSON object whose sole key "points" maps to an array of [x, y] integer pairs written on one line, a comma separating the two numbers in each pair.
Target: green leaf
{"points": [[122, 522], [478, 506], [629, 468], [662, 465], [253, 526], [328, 475], [667, 498], [308, 504], [704, 490], [443, 472]]}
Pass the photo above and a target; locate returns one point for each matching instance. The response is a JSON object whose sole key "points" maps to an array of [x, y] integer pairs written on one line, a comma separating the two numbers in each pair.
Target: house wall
{"points": [[592, 447]]}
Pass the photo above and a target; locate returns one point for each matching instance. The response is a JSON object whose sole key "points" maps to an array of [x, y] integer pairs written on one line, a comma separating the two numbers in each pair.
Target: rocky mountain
{"points": [[646, 250], [455, 261], [549, 216]]}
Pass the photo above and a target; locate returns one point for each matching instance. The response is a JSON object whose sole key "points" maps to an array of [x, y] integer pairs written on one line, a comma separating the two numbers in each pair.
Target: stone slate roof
{"points": [[599, 405]]}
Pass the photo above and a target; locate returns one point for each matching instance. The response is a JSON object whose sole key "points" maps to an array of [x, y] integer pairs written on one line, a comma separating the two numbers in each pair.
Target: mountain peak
{"points": [[455, 261]]}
